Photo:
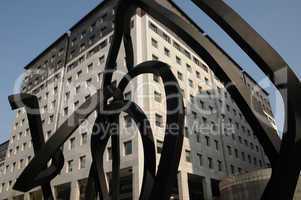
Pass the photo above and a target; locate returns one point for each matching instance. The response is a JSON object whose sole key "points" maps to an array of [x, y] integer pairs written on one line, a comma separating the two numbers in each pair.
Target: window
{"points": [[55, 90], [200, 89], [77, 89], [243, 156], [198, 75], [207, 140], [156, 78], [180, 76], [69, 166], [236, 153], [159, 120], [159, 146], [128, 121], [194, 114], [220, 165], [153, 27], [158, 96], [204, 119], [76, 104], [166, 37], [128, 148], [206, 81], [154, 57], [186, 132], [71, 143], [51, 118], [190, 83], [109, 153], [166, 52], [90, 67], [198, 136], [216, 145], [188, 155], [200, 156], [191, 98], [179, 61], [101, 60], [24, 146], [89, 82], [229, 150], [84, 138], [83, 34], [82, 162], [232, 169], [66, 111], [177, 46], [188, 67], [78, 74], [210, 163], [154, 43], [69, 80]]}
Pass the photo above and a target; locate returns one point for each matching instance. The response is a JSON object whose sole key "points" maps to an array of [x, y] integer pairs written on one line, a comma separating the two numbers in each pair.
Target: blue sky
{"points": [[28, 27]]}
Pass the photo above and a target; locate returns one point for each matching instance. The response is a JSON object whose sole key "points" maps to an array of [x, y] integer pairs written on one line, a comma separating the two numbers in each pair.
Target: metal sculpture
{"points": [[283, 156]]}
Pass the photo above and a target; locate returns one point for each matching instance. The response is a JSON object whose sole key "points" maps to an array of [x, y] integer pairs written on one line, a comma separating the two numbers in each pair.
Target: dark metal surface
{"points": [[286, 166]]}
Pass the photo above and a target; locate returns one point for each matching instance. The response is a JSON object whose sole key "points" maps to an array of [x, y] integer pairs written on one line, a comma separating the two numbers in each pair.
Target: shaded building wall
{"points": [[249, 186]]}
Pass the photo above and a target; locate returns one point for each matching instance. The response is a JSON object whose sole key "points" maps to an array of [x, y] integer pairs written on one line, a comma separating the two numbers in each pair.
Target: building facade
{"points": [[249, 186], [218, 140]]}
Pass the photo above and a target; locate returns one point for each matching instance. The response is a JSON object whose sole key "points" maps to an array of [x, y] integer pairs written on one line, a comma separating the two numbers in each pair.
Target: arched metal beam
{"points": [[286, 170]]}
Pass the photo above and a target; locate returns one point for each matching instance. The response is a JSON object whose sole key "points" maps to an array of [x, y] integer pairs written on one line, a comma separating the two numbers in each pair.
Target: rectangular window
{"points": [[66, 111], [229, 150], [84, 138], [194, 115], [128, 121], [200, 156], [154, 43], [188, 155], [90, 67], [82, 162], [220, 165], [154, 57], [232, 169], [188, 67], [79, 74], [156, 78], [72, 143], [153, 27], [166, 37], [159, 120], [69, 166], [159, 146], [89, 82], [190, 83], [198, 75], [210, 163], [167, 52], [179, 61], [109, 153], [158, 96], [180, 76], [128, 148], [207, 140], [101, 60], [216, 145]]}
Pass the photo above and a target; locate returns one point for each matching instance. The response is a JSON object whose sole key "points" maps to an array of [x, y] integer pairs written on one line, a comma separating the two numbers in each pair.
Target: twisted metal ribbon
{"points": [[283, 156]]}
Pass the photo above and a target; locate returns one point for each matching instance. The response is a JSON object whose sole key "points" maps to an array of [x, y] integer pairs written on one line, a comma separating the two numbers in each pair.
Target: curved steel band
{"points": [[286, 166]]}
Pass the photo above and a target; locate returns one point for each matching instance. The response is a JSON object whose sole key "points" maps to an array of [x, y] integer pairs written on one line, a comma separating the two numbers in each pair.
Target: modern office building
{"points": [[218, 140]]}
